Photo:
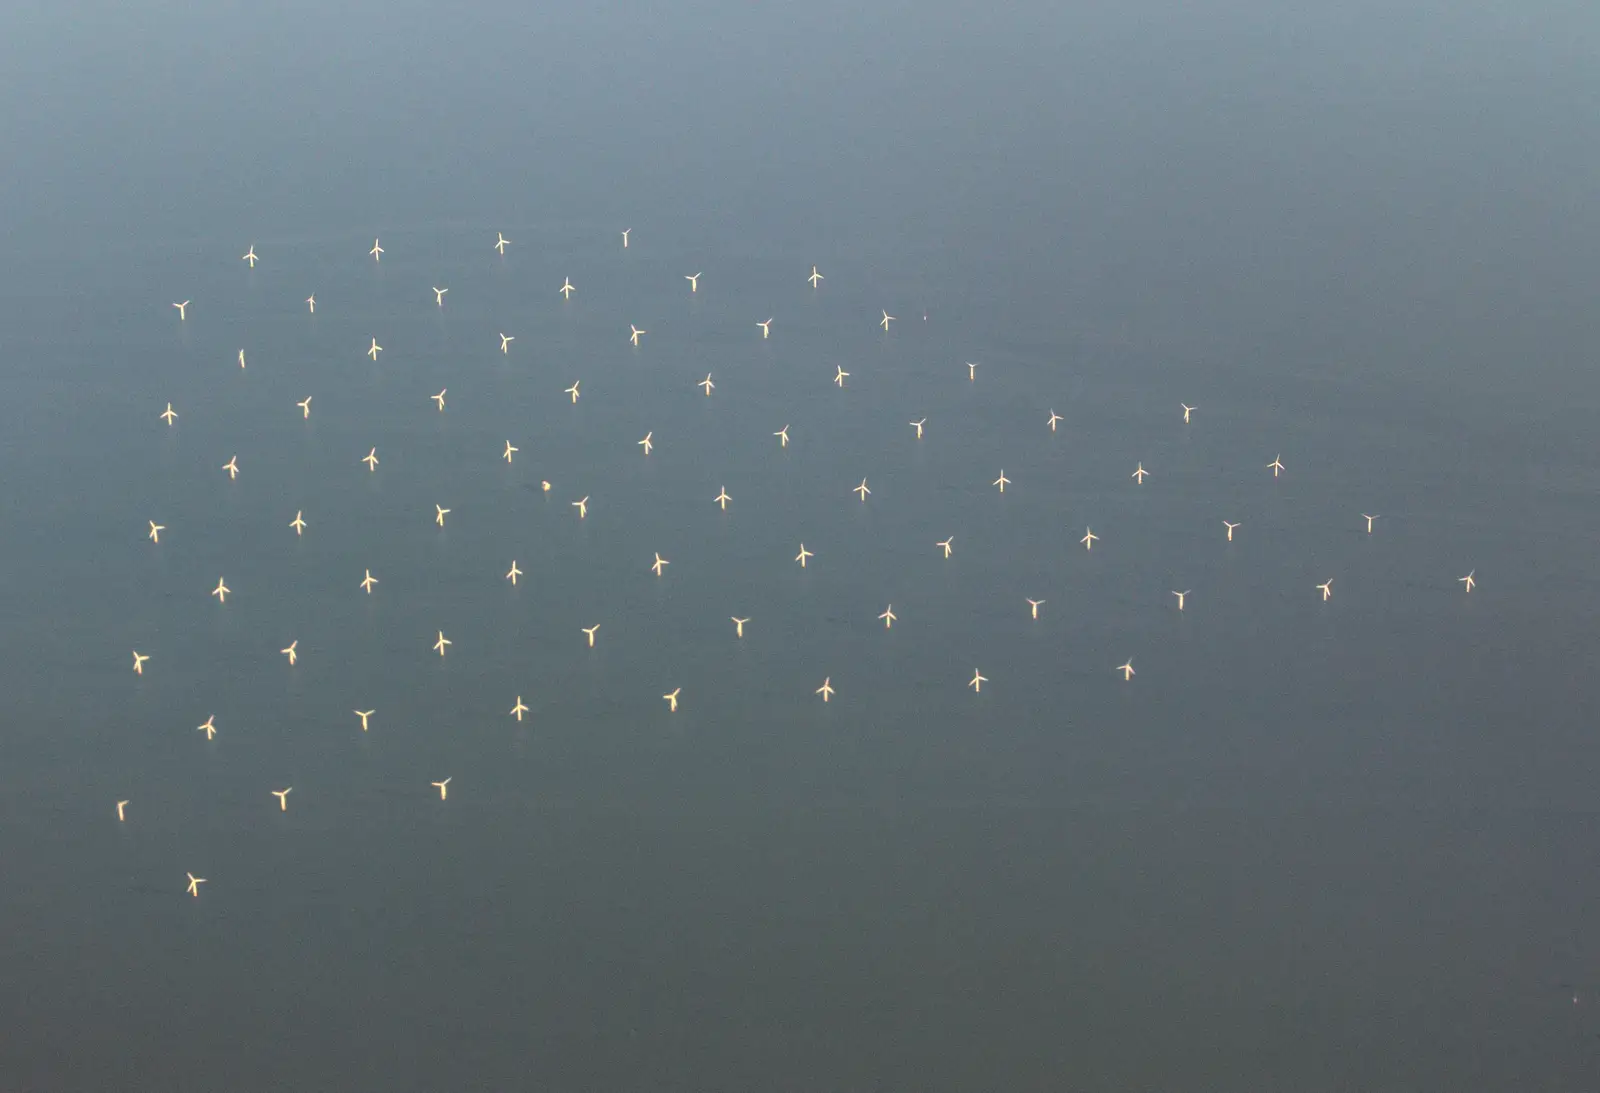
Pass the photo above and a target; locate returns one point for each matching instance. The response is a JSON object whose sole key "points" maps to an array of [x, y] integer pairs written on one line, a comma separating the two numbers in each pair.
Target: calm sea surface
{"points": [[1309, 846]]}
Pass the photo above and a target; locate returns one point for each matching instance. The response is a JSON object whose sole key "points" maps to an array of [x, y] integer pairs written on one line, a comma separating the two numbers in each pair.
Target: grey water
{"points": [[1310, 845]]}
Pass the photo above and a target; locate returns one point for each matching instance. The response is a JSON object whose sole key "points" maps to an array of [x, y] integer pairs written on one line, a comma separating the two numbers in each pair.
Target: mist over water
{"points": [[1318, 846]]}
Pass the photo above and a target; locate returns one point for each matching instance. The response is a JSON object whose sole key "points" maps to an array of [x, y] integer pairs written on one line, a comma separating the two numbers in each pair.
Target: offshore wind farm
{"points": [[908, 650]]}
